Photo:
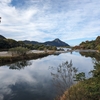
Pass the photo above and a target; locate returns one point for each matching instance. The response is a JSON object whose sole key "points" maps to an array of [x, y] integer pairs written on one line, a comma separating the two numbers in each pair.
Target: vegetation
{"points": [[19, 51], [85, 89], [94, 44], [6, 44], [93, 55], [43, 47], [12, 59], [63, 77], [89, 89]]}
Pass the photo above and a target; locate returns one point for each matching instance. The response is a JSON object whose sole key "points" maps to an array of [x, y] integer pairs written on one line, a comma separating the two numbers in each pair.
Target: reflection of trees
{"points": [[19, 65], [91, 54], [63, 76]]}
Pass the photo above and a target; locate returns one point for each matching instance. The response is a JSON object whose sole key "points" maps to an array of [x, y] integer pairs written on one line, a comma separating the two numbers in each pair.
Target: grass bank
{"points": [[11, 59]]}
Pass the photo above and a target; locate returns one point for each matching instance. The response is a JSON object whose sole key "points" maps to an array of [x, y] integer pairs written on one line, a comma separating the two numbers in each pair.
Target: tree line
{"points": [[6, 44]]}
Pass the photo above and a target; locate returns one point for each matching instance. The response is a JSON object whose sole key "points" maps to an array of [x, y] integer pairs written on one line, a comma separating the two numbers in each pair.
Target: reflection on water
{"points": [[19, 65], [91, 54], [63, 76], [34, 82]]}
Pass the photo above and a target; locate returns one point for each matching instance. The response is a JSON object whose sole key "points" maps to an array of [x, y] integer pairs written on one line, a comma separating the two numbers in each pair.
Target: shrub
{"points": [[19, 51]]}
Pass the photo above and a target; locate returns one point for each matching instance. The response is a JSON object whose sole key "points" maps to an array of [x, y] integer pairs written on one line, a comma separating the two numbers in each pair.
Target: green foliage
{"points": [[98, 47], [87, 89], [42, 47], [80, 76], [21, 43], [12, 43], [94, 44], [20, 51], [6, 44]]}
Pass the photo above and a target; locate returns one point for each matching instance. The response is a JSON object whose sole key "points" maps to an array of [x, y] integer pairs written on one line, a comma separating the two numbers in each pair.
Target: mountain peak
{"points": [[57, 39], [57, 42]]}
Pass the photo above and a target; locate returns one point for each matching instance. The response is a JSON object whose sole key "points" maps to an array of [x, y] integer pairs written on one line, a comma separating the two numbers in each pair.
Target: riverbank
{"points": [[88, 89], [6, 54], [7, 58]]}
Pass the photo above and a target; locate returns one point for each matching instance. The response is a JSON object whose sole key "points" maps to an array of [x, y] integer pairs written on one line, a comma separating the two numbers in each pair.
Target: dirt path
{"points": [[4, 53]]}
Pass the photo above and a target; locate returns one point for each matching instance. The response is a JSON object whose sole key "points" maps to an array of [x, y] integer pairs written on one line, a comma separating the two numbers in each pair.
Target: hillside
{"points": [[94, 44], [2, 37]]}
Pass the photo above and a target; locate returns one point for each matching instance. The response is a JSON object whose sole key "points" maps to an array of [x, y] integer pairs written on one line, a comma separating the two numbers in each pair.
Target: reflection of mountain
{"points": [[19, 65], [91, 54]]}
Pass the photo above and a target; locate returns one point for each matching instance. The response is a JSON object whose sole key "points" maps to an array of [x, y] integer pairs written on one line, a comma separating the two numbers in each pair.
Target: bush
{"points": [[19, 51]]}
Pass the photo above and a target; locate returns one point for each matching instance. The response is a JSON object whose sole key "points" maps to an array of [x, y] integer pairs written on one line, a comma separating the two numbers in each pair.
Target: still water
{"points": [[32, 80]]}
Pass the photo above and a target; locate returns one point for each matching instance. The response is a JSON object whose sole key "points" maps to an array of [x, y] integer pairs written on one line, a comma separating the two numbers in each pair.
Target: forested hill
{"points": [[94, 44], [2, 37]]}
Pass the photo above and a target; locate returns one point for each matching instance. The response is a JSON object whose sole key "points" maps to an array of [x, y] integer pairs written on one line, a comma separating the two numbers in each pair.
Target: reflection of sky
{"points": [[35, 80]]}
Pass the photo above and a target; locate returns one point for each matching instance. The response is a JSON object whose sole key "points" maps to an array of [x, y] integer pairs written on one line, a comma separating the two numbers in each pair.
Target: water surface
{"points": [[32, 80]]}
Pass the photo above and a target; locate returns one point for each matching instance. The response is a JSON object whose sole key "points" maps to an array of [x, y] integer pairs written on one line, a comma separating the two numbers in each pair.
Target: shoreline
{"points": [[12, 59], [6, 54]]}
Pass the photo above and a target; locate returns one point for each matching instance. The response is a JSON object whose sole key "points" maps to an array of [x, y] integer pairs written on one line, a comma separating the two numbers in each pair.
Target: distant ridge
{"points": [[57, 42], [30, 42]]}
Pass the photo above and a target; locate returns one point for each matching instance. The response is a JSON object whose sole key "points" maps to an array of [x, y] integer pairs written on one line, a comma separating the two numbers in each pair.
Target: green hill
{"points": [[94, 44]]}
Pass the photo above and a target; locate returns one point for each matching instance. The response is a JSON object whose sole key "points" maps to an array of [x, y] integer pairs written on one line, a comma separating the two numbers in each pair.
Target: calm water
{"points": [[32, 80]]}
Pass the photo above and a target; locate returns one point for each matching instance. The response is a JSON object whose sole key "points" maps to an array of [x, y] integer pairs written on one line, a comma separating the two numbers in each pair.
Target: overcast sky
{"points": [[72, 21]]}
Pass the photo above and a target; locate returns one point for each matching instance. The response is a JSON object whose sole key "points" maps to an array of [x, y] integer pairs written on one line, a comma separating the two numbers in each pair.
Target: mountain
{"points": [[2, 37], [30, 42], [57, 42]]}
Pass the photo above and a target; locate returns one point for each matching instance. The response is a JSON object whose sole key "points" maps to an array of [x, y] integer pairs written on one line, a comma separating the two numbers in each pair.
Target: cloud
{"points": [[43, 20]]}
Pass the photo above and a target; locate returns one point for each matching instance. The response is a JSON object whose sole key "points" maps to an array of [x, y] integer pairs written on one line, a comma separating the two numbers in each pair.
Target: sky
{"points": [[72, 21]]}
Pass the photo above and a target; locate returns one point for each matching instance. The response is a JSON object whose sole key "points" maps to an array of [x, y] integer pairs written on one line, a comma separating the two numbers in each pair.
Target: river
{"points": [[32, 80]]}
